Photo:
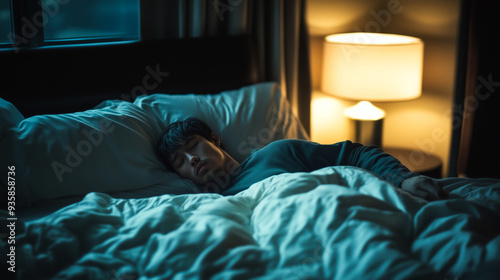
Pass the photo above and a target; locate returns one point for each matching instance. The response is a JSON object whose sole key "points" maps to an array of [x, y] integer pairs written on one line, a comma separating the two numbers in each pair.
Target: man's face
{"points": [[199, 160]]}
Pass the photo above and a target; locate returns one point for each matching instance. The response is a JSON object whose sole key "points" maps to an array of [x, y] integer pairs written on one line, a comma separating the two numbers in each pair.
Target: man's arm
{"points": [[375, 160], [389, 168], [424, 187]]}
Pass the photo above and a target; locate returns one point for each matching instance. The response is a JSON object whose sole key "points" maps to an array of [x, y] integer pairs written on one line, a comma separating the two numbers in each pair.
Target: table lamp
{"points": [[372, 67]]}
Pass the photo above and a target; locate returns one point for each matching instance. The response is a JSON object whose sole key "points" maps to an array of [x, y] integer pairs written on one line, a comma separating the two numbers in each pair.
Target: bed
{"points": [[93, 201]]}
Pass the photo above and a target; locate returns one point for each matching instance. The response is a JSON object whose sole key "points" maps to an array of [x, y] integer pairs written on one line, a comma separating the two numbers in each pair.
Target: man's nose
{"points": [[193, 159]]}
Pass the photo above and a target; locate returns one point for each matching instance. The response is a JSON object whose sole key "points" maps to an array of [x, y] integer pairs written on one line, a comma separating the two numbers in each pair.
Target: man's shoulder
{"points": [[279, 145], [301, 146], [288, 143], [301, 142], [291, 145]]}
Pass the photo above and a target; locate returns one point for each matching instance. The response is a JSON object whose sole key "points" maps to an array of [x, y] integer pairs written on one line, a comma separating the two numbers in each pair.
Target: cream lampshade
{"points": [[372, 67]]}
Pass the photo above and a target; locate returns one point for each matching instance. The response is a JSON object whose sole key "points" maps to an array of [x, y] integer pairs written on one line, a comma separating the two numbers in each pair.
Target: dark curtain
{"points": [[278, 27], [475, 145]]}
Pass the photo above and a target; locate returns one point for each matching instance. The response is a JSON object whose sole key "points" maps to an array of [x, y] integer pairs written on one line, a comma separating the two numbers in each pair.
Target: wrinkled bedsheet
{"points": [[333, 223]]}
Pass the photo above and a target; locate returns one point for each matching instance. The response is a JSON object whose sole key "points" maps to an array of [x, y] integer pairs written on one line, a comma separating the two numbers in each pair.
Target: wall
{"points": [[424, 124]]}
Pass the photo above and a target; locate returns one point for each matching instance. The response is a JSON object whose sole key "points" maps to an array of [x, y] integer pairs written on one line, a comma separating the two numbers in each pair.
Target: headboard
{"points": [[63, 80]]}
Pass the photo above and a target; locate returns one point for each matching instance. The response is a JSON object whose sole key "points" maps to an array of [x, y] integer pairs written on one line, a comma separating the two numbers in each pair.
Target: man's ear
{"points": [[215, 139]]}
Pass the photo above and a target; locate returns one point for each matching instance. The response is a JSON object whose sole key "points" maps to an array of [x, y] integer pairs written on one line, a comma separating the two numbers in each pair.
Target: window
{"points": [[92, 19], [5, 21], [57, 22]]}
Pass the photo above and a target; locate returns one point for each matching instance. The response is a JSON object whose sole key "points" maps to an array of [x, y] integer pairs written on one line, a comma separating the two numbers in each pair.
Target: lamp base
{"points": [[369, 132]]}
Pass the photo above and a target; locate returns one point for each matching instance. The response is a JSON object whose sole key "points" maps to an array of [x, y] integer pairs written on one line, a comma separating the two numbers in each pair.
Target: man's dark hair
{"points": [[178, 133]]}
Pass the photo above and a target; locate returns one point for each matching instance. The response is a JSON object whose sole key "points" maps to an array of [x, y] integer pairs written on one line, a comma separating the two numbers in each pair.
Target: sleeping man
{"points": [[192, 149]]}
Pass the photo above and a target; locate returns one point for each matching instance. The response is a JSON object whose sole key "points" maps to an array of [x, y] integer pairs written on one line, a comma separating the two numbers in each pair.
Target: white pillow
{"points": [[107, 149], [111, 148], [244, 119], [9, 116]]}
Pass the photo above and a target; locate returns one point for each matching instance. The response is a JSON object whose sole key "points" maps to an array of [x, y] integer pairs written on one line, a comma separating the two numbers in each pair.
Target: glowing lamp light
{"points": [[372, 67], [365, 111]]}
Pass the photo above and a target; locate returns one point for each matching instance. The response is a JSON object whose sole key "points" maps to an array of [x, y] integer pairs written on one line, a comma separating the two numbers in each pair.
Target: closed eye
{"points": [[177, 160], [180, 162]]}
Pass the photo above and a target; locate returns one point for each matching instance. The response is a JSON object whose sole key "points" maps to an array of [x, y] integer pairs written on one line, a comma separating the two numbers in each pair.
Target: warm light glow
{"points": [[325, 17], [329, 124], [373, 66], [371, 39], [365, 111]]}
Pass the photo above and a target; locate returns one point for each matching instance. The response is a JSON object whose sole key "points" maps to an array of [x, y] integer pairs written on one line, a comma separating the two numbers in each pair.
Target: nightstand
{"points": [[418, 161]]}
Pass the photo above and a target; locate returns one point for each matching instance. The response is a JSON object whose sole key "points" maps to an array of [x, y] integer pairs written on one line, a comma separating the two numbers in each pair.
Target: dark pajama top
{"points": [[288, 156]]}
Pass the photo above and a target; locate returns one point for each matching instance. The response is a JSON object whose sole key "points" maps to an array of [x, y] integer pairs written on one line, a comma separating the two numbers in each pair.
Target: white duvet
{"points": [[334, 223]]}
